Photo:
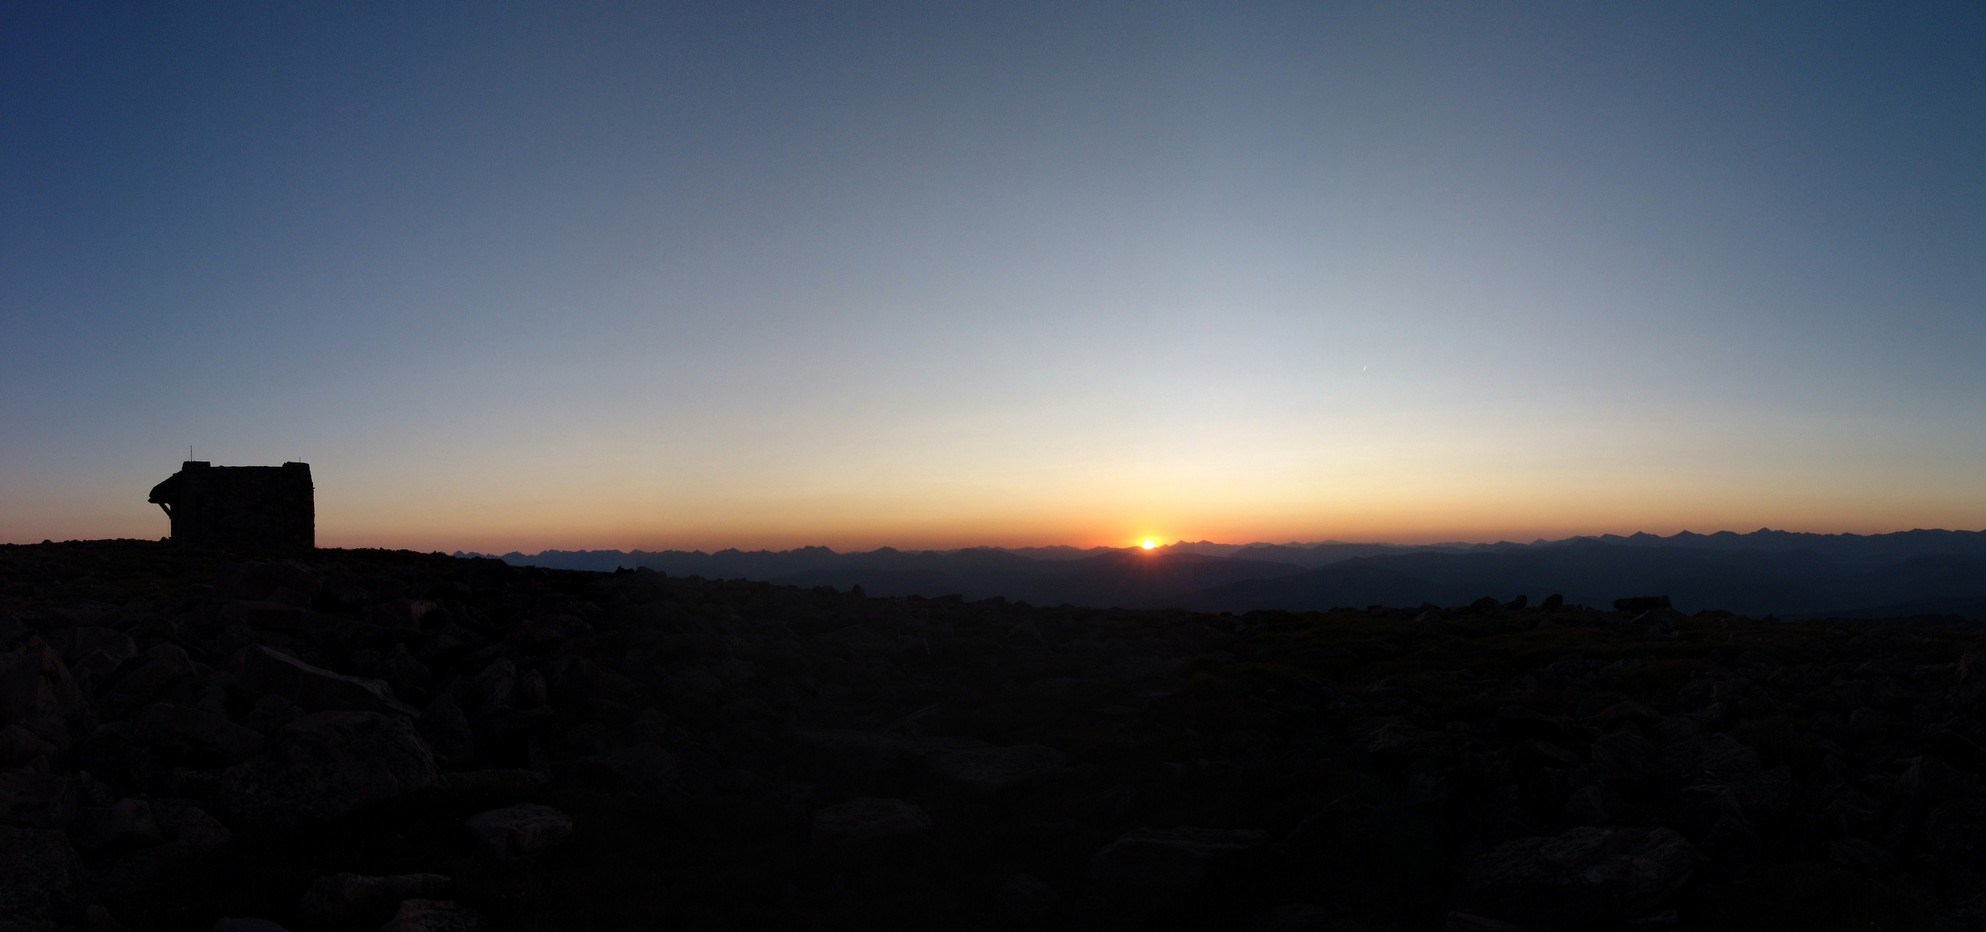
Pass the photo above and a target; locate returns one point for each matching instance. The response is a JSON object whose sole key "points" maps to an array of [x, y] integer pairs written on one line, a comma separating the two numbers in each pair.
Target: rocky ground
{"points": [[382, 740]]}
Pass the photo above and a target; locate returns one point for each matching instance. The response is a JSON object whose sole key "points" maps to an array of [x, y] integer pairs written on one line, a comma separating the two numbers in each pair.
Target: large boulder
{"points": [[156, 670], [266, 671], [402, 667], [195, 736], [95, 654], [1588, 877], [447, 730], [1719, 759], [327, 765], [19, 746], [37, 872], [496, 686], [37, 799], [125, 824], [190, 830], [38, 694]]}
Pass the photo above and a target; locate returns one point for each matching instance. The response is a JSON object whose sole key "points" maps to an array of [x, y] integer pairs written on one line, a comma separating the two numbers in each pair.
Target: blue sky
{"points": [[520, 276]]}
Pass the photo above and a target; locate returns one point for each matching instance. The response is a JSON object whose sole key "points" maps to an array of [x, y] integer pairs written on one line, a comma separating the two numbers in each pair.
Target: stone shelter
{"points": [[250, 508]]}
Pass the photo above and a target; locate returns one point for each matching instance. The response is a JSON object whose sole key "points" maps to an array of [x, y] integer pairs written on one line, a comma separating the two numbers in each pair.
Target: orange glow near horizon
{"points": [[496, 499], [533, 532], [428, 513]]}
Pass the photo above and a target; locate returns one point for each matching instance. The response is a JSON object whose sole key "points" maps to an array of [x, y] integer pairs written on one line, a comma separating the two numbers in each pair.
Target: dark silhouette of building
{"points": [[262, 508]]}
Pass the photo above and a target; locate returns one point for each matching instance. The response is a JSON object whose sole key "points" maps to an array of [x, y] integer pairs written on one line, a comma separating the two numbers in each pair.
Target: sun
{"points": [[1149, 544]]}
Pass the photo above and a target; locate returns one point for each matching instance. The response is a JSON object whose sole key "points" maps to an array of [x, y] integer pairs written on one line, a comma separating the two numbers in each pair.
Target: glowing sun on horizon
{"points": [[1148, 544]]}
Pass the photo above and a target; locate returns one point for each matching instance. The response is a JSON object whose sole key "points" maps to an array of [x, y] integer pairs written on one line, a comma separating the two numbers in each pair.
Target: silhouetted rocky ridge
{"points": [[1764, 572], [383, 740]]}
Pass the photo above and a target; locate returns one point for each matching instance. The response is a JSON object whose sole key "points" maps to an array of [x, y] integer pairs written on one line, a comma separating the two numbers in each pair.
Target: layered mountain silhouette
{"points": [[1765, 572]]}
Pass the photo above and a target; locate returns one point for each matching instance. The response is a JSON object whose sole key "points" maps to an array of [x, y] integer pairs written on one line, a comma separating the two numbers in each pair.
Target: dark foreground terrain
{"points": [[367, 740]]}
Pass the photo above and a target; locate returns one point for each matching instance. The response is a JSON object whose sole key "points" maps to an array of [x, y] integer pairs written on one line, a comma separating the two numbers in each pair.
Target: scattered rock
{"points": [[158, 670], [263, 616], [847, 761], [496, 686], [247, 925], [1929, 778], [423, 915], [404, 668], [128, 823], [357, 899], [37, 799], [268, 579], [1159, 865], [327, 765], [195, 736], [1585, 877], [404, 613], [1296, 917], [1587, 778], [1027, 898], [1861, 856], [497, 781], [869, 821], [986, 771], [520, 833], [191, 831], [447, 730], [1459, 921], [37, 872], [644, 766], [19, 746]]}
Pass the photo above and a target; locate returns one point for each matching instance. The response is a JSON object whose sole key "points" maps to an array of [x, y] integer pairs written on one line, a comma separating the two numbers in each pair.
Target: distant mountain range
{"points": [[1765, 572]]}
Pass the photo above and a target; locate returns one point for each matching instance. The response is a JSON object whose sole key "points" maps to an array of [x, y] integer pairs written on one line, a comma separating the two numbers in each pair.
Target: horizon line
{"points": [[1134, 543], [339, 541]]}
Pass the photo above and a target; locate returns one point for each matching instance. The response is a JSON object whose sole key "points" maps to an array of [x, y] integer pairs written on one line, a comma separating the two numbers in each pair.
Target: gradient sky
{"points": [[934, 274]]}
